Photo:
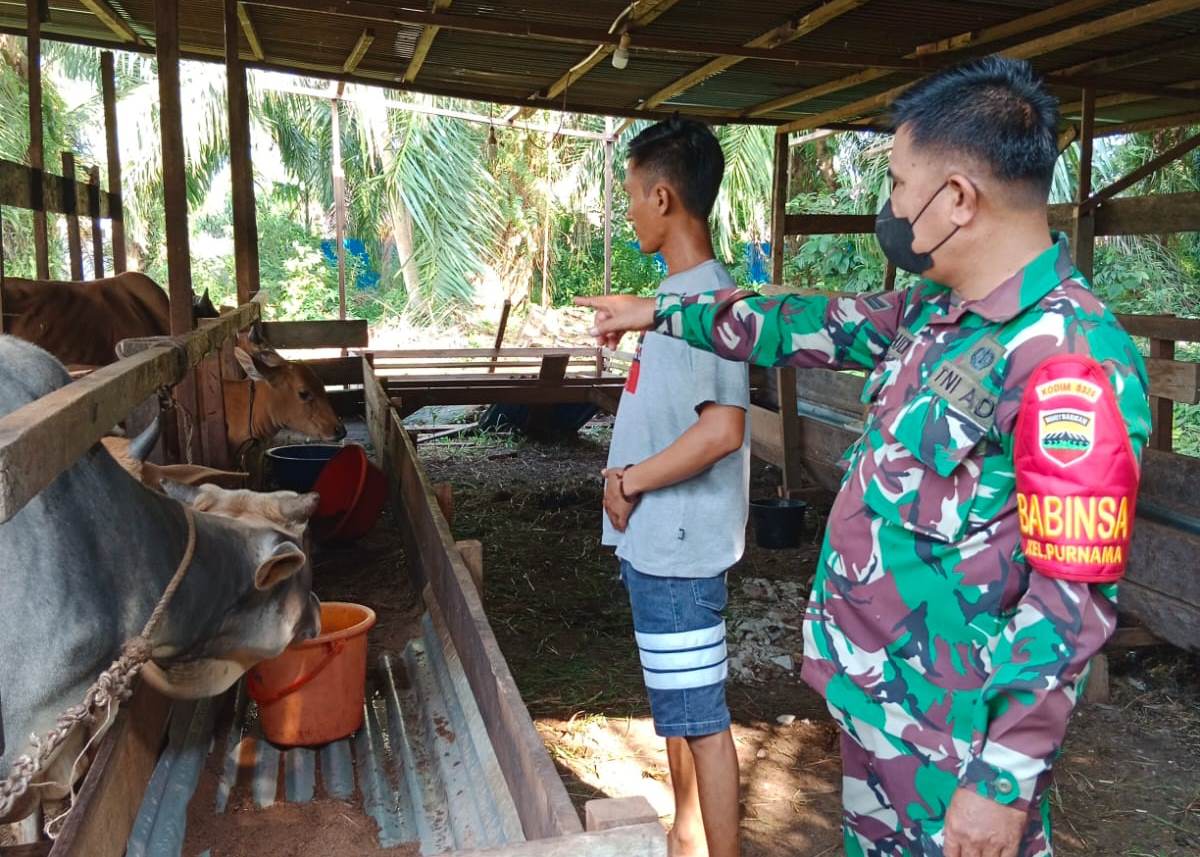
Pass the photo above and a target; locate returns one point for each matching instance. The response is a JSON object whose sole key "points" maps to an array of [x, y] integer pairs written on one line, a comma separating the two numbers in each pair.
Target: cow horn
{"points": [[141, 445]]}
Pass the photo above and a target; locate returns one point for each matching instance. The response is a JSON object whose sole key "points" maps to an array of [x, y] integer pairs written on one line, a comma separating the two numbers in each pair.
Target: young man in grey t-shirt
{"points": [[676, 490]]}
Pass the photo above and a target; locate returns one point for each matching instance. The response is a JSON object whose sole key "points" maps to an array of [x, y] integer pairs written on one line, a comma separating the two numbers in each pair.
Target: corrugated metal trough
{"points": [[422, 762]]}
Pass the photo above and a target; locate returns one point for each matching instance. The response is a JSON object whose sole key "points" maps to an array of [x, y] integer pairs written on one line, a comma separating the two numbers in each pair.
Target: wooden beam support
{"points": [[780, 186], [1083, 234], [1137, 16], [501, 328], [37, 157], [94, 191], [971, 38], [179, 263], [245, 219], [339, 199], [1175, 120], [359, 51], [787, 32], [1149, 168], [251, 33], [113, 150], [74, 234], [789, 430], [1162, 410], [1162, 326], [424, 43], [19, 188], [351, 333], [609, 146], [1144, 55], [112, 19]]}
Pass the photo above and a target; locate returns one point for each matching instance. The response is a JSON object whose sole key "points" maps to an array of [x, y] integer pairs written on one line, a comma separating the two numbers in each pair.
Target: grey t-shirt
{"points": [[695, 528]]}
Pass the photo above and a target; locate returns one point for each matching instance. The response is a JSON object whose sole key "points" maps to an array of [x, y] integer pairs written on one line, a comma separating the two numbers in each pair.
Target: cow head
{"points": [[261, 613], [294, 396], [131, 454]]}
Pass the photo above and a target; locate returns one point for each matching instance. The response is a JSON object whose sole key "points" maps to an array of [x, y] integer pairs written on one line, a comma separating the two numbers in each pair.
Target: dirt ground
{"points": [[1128, 782]]}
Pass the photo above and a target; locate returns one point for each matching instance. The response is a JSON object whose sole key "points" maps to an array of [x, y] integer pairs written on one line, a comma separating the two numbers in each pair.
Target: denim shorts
{"points": [[681, 641]]}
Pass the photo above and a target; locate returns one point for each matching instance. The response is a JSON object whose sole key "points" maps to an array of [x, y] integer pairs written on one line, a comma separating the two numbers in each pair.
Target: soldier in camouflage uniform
{"points": [[969, 565]]}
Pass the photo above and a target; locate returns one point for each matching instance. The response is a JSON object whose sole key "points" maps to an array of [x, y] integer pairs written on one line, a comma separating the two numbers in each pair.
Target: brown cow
{"points": [[81, 323], [277, 394]]}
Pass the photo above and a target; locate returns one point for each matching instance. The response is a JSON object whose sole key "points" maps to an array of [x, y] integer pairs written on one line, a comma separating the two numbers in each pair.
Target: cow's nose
{"points": [[310, 622], [340, 432]]}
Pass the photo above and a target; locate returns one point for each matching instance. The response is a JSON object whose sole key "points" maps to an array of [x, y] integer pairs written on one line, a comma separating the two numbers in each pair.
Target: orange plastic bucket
{"points": [[313, 693]]}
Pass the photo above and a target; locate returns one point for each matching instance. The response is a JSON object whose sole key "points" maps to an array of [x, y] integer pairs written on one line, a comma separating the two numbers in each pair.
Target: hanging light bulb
{"points": [[620, 57]]}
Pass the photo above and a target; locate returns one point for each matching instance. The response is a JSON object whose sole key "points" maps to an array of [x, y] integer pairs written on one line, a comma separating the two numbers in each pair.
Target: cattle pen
{"points": [[807, 69]]}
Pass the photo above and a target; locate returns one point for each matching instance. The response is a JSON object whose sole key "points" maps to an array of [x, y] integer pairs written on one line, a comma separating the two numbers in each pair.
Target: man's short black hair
{"points": [[684, 153], [993, 109]]}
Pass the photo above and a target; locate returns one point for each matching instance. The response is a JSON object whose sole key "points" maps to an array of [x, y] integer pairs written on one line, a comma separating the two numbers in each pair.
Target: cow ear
{"points": [[299, 509], [248, 365], [285, 559], [185, 494]]}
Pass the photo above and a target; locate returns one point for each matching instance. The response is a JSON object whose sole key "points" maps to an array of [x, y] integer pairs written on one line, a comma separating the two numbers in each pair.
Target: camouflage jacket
{"points": [[925, 620]]}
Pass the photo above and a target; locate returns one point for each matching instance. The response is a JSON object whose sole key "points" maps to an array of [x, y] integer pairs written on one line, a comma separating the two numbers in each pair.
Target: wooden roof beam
{"points": [[970, 39], [359, 51], [1128, 59], [1175, 120], [787, 32], [424, 42], [1115, 23], [644, 14], [251, 34], [113, 20]]}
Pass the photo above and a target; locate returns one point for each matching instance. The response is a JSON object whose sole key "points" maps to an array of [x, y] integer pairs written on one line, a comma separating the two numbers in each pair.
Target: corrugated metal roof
{"points": [[512, 67], [422, 763]]}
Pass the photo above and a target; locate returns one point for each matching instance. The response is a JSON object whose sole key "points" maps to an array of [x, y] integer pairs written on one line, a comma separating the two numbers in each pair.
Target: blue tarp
{"points": [[357, 250]]}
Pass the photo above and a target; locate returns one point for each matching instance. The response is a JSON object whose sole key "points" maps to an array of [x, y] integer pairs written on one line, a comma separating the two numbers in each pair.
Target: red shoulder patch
{"points": [[1077, 476]]}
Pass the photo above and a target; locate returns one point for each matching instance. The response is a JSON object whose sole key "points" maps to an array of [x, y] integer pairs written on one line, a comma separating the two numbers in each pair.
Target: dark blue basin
{"points": [[296, 467]]}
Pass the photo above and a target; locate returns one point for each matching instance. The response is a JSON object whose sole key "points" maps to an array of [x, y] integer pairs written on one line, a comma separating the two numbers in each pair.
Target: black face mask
{"points": [[895, 235]]}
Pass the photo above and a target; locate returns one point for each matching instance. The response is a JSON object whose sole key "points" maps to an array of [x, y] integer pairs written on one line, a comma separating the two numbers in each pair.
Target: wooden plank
{"points": [[471, 551], [113, 151], [359, 50], [607, 813], [839, 391], [1176, 380], [245, 221], [337, 371], [74, 235], [35, 849], [252, 39], [829, 224], [94, 190], [780, 185], [1162, 410], [20, 188], [174, 165], [1149, 168], [350, 333], [392, 370], [424, 43], [642, 840], [551, 376], [500, 330], [539, 795], [426, 396], [785, 379], [1159, 214], [33, 50], [43, 438], [377, 411], [112, 791], [212, 413], [483, 353], [789, 31], [1166, 601], [113, 20], [486, 382]]}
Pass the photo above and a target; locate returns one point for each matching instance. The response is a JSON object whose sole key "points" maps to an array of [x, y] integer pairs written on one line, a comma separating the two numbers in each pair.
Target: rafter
{"points": [[251, 34], [787, 32], [359, 51], [424, 43], [113, 20], [1188, 89], [645, 13], [1144, 55], [1175, 120], [1115, 23], [973, 38]]}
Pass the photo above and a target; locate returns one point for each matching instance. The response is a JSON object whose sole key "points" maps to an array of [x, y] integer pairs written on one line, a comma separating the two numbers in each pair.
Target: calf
{"points": [[84, 562]]}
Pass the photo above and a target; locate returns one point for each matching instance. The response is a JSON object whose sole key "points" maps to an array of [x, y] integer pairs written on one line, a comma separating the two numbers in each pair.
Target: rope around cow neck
{"points": [[114, 685]]}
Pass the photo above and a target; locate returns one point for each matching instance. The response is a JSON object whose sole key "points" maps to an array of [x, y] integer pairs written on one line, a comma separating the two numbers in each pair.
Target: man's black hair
{"points": [[993, 109], [685, 154]]}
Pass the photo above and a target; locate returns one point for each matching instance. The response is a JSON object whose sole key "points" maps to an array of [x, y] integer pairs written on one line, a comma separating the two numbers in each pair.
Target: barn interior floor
{"points": [[420, 776]]}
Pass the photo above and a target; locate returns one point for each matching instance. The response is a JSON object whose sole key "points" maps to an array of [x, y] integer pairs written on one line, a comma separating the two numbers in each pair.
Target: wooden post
{"points": [[609, 144], [889, 277], [339, 199], [1084, 237], [500, 334], [97, 224], [472, 557], [74, 237], [1162, 410], [41, 245], [789, 434], [779, 207], [245, 222], [179, 265], [108, 81]]}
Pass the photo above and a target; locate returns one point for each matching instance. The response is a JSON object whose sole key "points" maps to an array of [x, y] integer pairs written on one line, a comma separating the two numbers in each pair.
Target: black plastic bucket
{"points": [[295, 467], [778, 523]]}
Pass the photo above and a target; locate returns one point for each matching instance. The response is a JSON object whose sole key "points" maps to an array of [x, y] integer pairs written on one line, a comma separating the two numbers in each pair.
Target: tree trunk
{"points": [[546, 255], [402, 232], [825, 165]]}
